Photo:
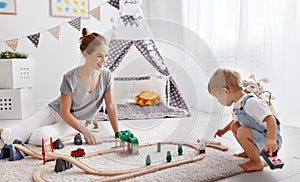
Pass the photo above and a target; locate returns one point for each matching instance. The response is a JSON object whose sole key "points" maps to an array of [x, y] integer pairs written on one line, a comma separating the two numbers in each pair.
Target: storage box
{"points": [[16, 73], [16, 103]]}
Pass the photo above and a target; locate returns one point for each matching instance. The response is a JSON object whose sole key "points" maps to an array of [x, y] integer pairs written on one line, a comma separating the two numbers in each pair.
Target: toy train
{"points": [[78, 153], [127, 137]]}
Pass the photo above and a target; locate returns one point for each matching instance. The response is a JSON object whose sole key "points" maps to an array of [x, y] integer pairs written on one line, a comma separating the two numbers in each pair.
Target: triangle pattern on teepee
{"points": [[118, 48], [117, 51], [150, 51], [128, 19]]}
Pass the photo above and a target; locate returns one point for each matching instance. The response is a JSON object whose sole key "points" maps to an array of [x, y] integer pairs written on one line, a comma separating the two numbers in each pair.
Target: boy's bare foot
{"points": [[251, 166], [242, 154]]}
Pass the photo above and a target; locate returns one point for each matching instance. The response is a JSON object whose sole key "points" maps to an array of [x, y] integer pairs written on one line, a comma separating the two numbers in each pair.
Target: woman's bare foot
{"points": [[251, 166], [242, 154]]}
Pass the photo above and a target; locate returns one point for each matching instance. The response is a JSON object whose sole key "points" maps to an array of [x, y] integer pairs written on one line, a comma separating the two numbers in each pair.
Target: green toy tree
{"points": [[180, 150], [169, 157], [148, 160], [158, 147]]}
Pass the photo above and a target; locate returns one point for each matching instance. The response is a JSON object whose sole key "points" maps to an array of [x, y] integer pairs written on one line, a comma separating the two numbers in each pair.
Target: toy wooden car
{"points": [[78, 139], [78, 153]]}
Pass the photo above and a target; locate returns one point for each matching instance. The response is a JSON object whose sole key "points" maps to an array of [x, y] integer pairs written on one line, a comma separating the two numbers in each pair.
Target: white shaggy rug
{"points": [[216, 165]]}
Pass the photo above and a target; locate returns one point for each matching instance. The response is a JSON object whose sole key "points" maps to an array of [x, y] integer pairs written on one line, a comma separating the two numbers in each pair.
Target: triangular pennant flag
{"points": [[114, 3], [13, 43], [55, 31], [35, 38], [96, 13], [76, 23]]}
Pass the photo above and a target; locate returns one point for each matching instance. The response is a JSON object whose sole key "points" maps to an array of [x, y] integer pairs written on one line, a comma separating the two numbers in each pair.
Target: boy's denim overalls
{"points": [[259, 133]]}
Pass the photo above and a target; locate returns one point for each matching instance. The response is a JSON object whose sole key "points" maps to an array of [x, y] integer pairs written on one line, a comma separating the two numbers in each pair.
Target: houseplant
{"points": [[12, 55]]}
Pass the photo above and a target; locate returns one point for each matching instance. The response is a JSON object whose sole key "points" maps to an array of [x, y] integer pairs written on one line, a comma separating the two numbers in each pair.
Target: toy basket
{"points": [[16, 73], [16, 103]]}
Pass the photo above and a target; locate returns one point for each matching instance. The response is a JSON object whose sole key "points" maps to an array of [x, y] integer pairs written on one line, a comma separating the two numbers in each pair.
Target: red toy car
{"points": [[78, 153]]}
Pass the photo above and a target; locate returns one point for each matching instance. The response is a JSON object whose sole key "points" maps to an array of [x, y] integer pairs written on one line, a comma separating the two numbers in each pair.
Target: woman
{"points": [[82, 92]]}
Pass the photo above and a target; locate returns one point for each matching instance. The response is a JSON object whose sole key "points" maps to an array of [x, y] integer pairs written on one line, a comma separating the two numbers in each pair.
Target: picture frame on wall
{"points": [[8, 7], [70, 8]]}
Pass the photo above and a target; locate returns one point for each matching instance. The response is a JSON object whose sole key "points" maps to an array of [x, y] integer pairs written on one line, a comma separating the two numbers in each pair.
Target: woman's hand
{"points": [[88, 136], [65, 107]]}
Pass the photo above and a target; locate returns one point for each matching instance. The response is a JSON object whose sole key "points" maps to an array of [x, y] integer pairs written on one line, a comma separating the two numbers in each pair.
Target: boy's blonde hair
{"points": [[225, 78]]}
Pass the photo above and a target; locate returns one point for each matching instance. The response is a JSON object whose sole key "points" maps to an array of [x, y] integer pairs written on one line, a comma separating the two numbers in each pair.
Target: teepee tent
{"points": [[131, 17]]}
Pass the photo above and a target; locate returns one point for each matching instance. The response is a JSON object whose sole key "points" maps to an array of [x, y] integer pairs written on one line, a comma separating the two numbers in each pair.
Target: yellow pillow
{"points": [[147, 98]]}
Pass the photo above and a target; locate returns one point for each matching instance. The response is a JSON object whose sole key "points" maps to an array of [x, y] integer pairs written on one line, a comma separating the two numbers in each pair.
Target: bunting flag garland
{"points": [[55, 31], [35, 38], [96, 13], [12, 43], [76, 23]]}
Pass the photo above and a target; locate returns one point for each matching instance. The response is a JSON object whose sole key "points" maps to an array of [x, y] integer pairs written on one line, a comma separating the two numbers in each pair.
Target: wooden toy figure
{"points": [[201, 147], [180, 150], [148, 160], [169, 157], [95, 122]]}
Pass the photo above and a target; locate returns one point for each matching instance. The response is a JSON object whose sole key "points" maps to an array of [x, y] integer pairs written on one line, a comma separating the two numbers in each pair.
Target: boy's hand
{"points": [[271, 145], [219, 133]]}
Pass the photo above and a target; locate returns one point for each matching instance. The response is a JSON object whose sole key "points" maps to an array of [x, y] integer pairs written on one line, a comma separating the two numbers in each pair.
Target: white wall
{"points": [[52, 57]]}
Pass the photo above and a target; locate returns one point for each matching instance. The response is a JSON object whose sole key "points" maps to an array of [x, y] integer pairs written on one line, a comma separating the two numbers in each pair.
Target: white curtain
{"points": [[254, 36]]}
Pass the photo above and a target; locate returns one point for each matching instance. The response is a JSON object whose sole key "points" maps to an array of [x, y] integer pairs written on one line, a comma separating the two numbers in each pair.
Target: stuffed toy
{"points": [[147, 98], [252, 85]]}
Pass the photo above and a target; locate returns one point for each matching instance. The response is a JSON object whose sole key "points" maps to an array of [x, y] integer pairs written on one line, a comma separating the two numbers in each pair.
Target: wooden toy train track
{"points": [[111, 175]]}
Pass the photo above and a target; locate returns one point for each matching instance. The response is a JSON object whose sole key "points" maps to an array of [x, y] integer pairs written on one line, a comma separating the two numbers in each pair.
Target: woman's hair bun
{"points": [[89, 41], [85, 32]]}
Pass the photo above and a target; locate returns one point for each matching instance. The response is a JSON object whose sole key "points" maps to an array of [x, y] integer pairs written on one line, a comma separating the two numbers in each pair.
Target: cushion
{"points": [[147, 98]]}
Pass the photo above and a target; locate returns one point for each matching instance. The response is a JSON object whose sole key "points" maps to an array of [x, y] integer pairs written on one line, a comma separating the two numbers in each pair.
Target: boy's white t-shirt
{"points": [[257, 108]]}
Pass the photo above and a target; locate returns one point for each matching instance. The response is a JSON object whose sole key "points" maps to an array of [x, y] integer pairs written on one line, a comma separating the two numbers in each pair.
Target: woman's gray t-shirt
{"points": [[84, 105]]}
